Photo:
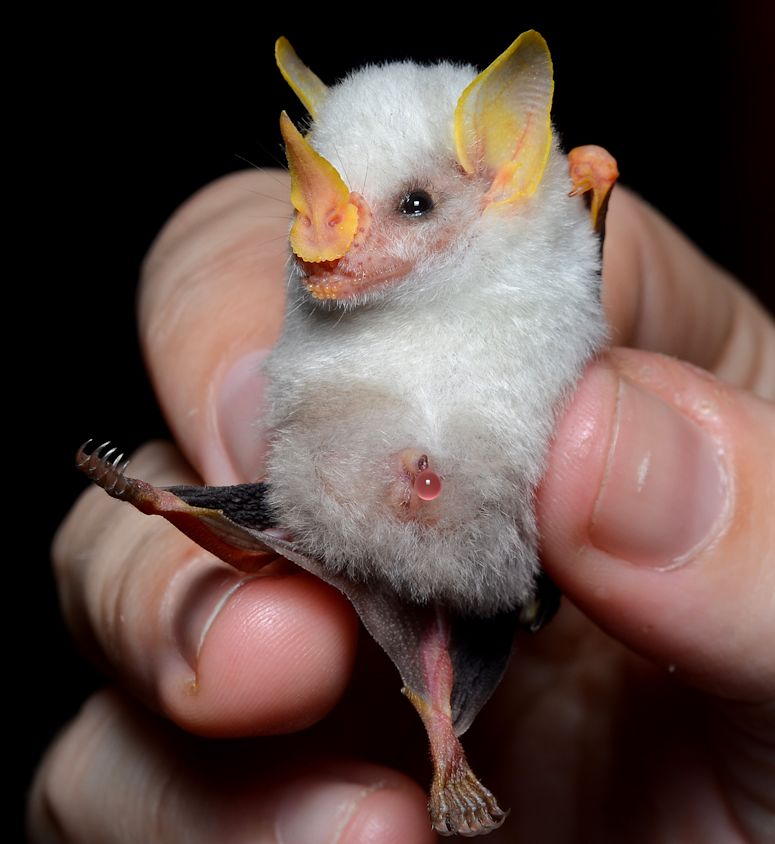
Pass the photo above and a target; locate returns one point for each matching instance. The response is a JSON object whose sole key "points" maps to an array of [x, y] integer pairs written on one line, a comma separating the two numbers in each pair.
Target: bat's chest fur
{"points": [[476, 393]]}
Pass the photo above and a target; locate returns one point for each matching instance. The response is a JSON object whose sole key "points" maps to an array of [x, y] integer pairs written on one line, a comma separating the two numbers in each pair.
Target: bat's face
{"points": [[417, 206], [404, 171]]}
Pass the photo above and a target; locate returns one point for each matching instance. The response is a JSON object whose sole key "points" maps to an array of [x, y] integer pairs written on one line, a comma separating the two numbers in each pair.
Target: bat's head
{"points": [[405, 167]]}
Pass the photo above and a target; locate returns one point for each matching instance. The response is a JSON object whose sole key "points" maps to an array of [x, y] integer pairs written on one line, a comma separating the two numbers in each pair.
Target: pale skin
{"points": [[645, 712]]}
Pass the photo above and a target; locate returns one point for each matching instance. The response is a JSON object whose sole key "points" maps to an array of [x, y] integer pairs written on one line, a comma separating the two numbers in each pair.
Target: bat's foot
{"points": [[460, 805], [103, 468]]}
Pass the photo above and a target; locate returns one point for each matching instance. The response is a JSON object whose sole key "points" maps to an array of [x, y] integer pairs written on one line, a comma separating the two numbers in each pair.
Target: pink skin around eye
{"points": [[427, 485]]}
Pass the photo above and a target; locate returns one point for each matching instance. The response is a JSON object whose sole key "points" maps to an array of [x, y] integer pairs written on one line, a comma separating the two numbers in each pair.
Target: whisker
{"points": [[341, 164], [366, 174], [268, 217], [271, 240], [294, 308], [265, 169], [267, 195], [341, 317]]}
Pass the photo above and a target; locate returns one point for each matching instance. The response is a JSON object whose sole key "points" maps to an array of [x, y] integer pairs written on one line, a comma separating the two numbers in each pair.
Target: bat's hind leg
{"points": [[458, 803]]}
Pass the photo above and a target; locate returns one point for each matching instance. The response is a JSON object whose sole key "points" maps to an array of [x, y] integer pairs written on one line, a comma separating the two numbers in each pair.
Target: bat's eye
{"points": [[416, 203]]}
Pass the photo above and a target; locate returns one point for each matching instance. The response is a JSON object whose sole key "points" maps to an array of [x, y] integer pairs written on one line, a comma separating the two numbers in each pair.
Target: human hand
{"points": [[657, 523], [584, 730]]}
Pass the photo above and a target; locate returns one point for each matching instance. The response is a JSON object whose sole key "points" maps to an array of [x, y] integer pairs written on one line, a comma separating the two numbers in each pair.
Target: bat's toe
{"points": [[463, 806]]}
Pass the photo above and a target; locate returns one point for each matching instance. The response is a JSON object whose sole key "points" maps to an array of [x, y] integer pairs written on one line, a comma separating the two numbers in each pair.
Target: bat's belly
{"points": [[349, 456]]}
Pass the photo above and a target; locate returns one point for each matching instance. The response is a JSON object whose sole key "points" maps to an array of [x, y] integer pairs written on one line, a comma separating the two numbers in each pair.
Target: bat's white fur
{"points": [[467, 359]]}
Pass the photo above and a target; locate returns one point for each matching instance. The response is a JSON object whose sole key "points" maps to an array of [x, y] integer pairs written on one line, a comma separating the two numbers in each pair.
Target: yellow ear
{"points": [[306, 85], [502, 120]]}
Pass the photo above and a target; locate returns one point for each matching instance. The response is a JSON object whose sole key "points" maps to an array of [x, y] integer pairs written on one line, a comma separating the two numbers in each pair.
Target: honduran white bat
{"points": [[443, 299]]}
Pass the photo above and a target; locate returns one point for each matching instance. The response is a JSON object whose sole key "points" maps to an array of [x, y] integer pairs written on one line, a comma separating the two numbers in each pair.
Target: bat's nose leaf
{"points": [[326, 218]]}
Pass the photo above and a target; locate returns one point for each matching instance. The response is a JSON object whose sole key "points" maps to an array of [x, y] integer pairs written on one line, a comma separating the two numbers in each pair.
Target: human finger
{"points": [[662, 294], [210, 307], [115, 761], [656, 521], [218, 651], [656, 516]]}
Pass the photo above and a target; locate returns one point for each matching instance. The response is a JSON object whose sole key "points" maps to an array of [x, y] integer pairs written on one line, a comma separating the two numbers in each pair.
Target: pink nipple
{"points": [[427, 485]]}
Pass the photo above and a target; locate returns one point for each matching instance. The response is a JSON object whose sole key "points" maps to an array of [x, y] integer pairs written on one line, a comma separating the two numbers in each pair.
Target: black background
{"points": [[133, 114]]}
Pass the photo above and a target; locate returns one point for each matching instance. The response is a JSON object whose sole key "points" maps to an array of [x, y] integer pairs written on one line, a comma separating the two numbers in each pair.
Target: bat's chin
{"points": [[335, 281]]}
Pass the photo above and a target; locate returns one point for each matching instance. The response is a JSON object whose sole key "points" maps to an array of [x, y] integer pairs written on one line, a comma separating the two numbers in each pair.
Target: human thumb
{"points": [[657, 519]]}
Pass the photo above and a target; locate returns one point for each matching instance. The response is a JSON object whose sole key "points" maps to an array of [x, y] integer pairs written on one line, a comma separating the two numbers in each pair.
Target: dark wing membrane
{"points": [[244, 504], [480, 649]]}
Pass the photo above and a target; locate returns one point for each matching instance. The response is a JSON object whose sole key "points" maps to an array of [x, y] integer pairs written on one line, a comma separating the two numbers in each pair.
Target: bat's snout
{"points": [[367, 264]]}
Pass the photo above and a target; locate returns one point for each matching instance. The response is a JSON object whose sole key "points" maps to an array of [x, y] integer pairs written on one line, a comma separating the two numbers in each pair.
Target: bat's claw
{"points": [[104, 471], [460, 805], [593, 171]]}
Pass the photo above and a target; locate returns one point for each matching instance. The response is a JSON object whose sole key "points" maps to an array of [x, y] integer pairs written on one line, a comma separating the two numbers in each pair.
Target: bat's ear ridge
{"points": [[502, 120], [306, 85]]}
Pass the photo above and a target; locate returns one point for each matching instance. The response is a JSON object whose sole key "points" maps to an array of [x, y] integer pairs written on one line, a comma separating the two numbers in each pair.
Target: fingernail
{"points": [[665, 491], [239, 408], [318, 812], [204, 600]]}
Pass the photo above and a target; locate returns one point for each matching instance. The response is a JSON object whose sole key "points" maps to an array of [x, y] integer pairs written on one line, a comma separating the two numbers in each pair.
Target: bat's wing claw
{"points": [[593, 172]]}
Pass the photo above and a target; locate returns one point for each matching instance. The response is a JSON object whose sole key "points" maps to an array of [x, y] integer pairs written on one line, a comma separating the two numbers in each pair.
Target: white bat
{"points": [[443, 300]]}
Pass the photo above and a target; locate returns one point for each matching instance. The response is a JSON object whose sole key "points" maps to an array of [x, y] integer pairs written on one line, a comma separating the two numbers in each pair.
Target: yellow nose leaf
{"points": [[326, 219]]}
